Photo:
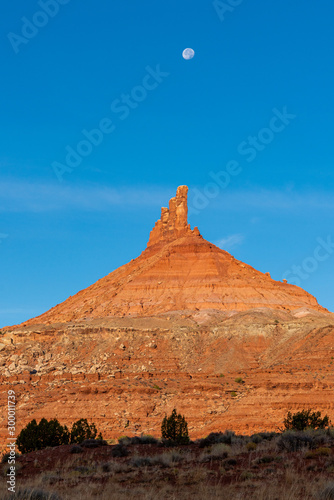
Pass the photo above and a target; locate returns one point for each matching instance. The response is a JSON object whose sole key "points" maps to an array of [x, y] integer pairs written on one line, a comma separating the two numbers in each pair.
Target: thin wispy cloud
{"points": [[25, 196], [45, 197], [230, 241]]}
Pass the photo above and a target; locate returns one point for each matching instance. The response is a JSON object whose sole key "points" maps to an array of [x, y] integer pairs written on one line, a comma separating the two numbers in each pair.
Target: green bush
{"points": [[226, 437], [38, 436], [82, 430], [305, 419], [51, 433], [239, 380], [175, 428]]}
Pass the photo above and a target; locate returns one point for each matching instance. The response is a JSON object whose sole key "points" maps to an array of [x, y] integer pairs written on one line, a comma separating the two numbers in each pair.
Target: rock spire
{"points": [[173, 223]]}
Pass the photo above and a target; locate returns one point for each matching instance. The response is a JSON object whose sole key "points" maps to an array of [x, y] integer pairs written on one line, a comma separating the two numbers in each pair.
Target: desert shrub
{"points": [[82, 430], [143, 439], [327, 493], [105, 467], [294, 441], [167, 443], [175, 428], [330, 432], [119, 450], [45, 434], [319, 452], [93, 443], [239, 380], [82, 469], [233, 394], [305, 419], [140, 461], [266, 459], [251, 446], [227, 437], [268, 436], [7, 456], [125, 440], [230, 462], [76, 449], [245, 475], [147, 439], [256, 438], [217, 452], [163, 459]]}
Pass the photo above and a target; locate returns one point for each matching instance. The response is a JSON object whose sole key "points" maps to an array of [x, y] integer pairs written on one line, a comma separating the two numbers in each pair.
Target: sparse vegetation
{"points": [[216, 452], [292, 464], [119, 450], [319, 452], [82, 430], [239, 380], [305, 419], [143, 439], [251, 446], [198, 471], [175, 428], [38, 436], [75, 449], [51, 433]]}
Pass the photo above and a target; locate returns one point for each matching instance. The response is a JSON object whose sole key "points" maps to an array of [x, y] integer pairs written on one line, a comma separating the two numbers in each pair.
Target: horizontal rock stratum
{"points": [[179, 270]]}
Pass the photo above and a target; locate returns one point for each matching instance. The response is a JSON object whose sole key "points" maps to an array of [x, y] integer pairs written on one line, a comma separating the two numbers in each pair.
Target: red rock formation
{"points": [[179, 270], [124, 374], [174, 221], [160, 332]]}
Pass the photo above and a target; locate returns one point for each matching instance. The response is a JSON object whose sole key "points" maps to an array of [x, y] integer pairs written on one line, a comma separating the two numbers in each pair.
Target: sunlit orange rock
{"points": [[179, 270]]}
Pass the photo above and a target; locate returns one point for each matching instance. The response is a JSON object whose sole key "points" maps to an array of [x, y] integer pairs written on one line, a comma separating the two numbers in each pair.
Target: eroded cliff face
{"points": [[126, 373]]}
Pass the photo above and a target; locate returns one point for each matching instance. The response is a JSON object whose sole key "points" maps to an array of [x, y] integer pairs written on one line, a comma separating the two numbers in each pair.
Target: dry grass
{"points": [[193, 486], [233, 471]]}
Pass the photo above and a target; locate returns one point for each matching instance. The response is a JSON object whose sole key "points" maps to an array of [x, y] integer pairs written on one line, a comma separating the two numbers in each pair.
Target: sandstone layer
{"points": [[126, 373]]}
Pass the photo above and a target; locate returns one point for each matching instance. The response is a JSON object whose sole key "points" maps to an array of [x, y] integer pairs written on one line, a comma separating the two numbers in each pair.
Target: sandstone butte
{"points": [[179, 326]]}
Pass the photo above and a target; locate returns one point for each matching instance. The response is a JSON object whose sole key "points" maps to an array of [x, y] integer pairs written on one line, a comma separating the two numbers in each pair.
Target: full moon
{"points": [[188, 53]]}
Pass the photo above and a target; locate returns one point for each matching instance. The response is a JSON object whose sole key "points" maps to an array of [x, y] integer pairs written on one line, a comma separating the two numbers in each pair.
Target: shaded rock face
{"points": [[179, 270]]}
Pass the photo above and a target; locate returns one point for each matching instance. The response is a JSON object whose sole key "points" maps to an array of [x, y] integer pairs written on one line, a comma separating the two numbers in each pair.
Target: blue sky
{"points": [[252, 109]]}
